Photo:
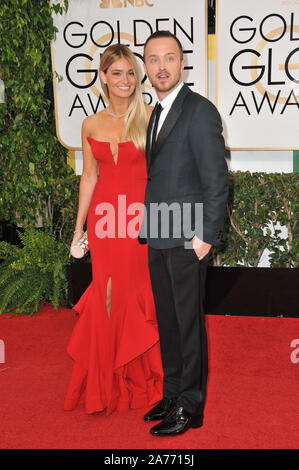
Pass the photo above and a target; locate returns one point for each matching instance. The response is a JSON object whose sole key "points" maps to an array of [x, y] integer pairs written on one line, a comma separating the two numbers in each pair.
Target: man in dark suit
{"points": [[187, 171]]}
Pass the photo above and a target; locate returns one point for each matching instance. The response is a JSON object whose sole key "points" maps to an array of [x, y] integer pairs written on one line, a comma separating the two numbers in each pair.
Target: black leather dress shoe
{"points": [[177, 421], [160, 410]]}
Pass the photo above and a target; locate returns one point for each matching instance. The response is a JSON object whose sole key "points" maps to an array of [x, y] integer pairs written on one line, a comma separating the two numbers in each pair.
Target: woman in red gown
{"points": [[115, 342]]}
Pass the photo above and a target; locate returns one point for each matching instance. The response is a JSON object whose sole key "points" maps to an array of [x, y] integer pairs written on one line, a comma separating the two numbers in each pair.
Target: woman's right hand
{"points": [[76, 237]]}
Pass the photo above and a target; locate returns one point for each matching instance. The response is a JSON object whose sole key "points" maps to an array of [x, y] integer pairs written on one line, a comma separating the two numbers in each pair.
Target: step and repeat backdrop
{"points": [[257, 61], [89, 27], [249, 69]]}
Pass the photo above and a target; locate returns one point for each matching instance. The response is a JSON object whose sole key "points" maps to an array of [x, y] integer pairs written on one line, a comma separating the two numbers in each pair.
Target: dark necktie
{"points": [[158, 110]]}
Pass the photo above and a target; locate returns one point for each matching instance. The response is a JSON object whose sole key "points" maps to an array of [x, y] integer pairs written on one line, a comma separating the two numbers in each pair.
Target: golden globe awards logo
{"points": [[125, 3], [88, 44], [83, 36], [94, 98], [272, 63]]}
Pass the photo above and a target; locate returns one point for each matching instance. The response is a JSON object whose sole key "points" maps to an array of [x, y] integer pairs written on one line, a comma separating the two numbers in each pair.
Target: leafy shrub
{"points": [[33, 274], [260, 206], [31, 157]]}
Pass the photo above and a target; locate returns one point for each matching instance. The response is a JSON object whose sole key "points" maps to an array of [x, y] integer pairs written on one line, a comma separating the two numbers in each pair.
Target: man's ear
{"points": [[144, 68], [182, 65]]}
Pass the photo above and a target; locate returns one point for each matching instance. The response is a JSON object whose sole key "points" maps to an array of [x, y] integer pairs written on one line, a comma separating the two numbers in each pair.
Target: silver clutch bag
{"points": [[79, 249]]}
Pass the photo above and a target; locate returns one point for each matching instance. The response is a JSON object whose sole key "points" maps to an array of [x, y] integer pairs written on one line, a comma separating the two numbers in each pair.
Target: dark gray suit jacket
{"points": [[188, 170]]}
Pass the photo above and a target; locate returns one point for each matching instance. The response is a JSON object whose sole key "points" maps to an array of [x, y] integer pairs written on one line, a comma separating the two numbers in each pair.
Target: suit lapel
{"points": [[168, 124]]}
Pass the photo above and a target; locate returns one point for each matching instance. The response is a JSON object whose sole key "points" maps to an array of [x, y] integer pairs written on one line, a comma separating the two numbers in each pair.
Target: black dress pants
{"points": [[178, 283]]}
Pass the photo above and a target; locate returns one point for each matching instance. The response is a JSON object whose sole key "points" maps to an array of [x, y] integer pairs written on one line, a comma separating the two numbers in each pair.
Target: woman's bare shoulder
{"points": [[91, 122]]}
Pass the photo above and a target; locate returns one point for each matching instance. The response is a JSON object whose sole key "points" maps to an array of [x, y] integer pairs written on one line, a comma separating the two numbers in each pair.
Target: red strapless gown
{"points": [[117, 363]]}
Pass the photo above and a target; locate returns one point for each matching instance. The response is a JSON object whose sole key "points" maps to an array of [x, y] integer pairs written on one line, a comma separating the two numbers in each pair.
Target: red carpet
{"points": [[252, 402]]}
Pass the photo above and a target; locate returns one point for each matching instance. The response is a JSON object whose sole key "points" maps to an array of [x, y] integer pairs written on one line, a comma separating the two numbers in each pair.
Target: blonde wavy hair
{"points": [[136, 119]]}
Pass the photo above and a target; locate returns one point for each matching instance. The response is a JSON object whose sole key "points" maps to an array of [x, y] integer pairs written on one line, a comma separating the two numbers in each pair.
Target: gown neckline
{"points": [[109, 144]]}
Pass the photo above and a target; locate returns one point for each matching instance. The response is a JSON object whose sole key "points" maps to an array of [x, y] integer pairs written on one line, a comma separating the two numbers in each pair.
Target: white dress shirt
{"points": [[166, 105]]}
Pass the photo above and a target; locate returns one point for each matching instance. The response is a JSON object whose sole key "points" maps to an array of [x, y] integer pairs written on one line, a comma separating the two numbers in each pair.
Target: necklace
{"points": [[115, 115]]}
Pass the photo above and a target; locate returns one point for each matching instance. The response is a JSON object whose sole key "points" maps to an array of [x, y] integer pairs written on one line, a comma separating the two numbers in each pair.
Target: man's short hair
{"points": [[164, 34]]}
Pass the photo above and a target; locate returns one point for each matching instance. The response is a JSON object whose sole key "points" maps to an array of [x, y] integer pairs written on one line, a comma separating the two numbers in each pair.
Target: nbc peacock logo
{"points": [[125, 3]]}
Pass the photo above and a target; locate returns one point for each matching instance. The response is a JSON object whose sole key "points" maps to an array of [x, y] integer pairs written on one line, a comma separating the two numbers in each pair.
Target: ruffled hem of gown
{"points": [[134, 377]]}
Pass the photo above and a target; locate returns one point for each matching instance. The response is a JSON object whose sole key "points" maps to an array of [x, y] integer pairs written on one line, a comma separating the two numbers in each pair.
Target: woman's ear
{"points": [[103, 77]]}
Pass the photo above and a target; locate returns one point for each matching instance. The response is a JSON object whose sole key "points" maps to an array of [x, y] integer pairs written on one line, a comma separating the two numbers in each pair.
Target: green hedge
{"points": [[262, 213], [32, 160]]}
